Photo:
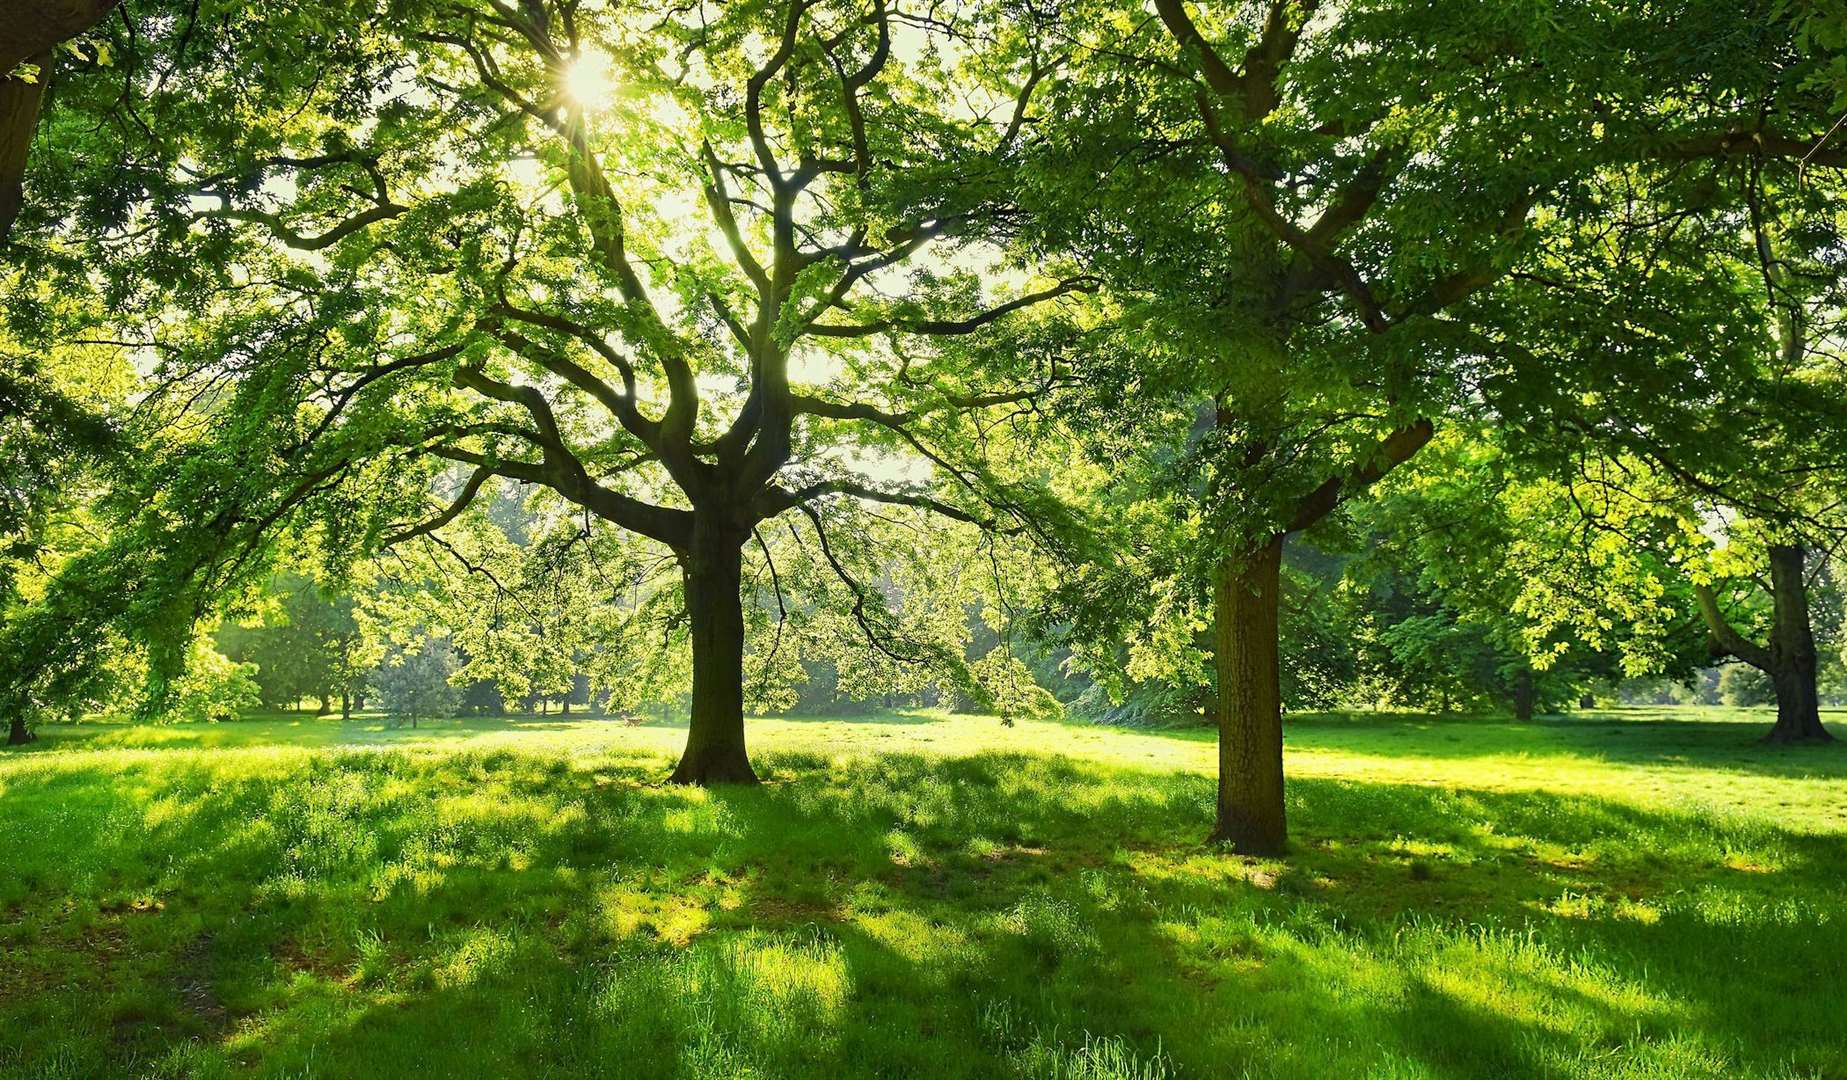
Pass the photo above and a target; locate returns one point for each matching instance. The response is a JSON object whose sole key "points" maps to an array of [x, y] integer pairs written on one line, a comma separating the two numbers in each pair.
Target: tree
{"points": [[1479, 578], [307, 644], [1736, 432], [57, 440], [1788, 657], [1293, 202], [416, 681], [492, 264]]}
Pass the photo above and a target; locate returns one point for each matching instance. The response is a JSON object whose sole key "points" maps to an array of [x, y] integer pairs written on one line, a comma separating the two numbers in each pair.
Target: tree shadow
{"points": [[880, 718], [1647, 737], [493, 911]]}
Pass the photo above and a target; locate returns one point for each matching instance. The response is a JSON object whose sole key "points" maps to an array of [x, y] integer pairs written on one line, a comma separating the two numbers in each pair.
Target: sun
{"points": [[589, 81]]}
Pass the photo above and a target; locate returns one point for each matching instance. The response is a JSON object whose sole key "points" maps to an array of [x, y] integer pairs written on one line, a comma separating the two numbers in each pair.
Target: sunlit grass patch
{"points": [[1026, 902]]}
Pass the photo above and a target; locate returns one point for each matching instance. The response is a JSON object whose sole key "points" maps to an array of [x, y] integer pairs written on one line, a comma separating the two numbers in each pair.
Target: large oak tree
{"points": [[1295, 202], [665, 264]]}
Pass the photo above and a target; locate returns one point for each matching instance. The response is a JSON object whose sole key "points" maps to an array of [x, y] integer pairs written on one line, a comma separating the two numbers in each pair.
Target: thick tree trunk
{"points": [[1792, 652], [1250, 716], [1524, 694], [713, 570], [17, 733], [29, 32], [19, 105], [1789, 659], [346, 705]]}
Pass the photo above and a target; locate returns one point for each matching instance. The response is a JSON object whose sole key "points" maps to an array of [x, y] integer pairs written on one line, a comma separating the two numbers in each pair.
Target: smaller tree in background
{"points": [[1778, 639], [1743, 685], [415, 681], [1449, 554], [304, 642], [214, 688]]}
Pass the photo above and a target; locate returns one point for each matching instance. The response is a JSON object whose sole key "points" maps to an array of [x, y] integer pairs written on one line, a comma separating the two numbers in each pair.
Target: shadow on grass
{"points": [[889, 717], [1631, 737], [501, 912]]}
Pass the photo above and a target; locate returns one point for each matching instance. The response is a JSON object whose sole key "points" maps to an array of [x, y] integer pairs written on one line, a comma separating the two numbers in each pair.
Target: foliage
{"points": [[214, 688], [417, 682], [397, 251], [307, 645]]}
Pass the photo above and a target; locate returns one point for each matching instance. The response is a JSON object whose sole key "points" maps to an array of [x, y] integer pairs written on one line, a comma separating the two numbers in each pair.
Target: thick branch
{"points": [[30, 27], [779, 499], [454, 510], [1393, 450], [953, 327], [1726, 635], [302, 241]]}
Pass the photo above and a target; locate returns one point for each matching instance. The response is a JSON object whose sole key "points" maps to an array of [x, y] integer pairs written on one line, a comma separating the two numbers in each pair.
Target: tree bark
{"points": [[1792, 652], [713, 570], [19, 106], [1250, 716], [1524, 694], [29, 27], [17, 732], [1789, 659]]}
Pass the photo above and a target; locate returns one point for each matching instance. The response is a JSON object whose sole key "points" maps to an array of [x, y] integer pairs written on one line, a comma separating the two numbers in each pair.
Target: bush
{"points": [[1741, 684], [214, 688]]}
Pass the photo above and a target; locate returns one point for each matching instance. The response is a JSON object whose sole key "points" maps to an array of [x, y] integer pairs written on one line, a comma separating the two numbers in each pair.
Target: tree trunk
{"points": [[19, 105], [1250, 717], [346, 705], [1792, 652], [17, 733], [713, 570], [1523, 694]]}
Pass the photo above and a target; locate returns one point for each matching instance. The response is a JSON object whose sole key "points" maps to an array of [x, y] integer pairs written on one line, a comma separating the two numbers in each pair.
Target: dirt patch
{"points": [[291, 955], [192, 979]]}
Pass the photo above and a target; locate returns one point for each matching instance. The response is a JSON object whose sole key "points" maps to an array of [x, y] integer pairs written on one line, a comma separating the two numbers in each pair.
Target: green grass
{"points": [[1645, 893]]}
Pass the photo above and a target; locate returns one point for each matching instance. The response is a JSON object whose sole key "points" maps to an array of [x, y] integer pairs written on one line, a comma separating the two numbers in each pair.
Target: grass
{"points": [[1637, 894]]}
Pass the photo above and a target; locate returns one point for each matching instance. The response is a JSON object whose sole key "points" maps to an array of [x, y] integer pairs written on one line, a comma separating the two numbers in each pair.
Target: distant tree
{"points": [[307, 644], [1741, 684], [415, 681]]}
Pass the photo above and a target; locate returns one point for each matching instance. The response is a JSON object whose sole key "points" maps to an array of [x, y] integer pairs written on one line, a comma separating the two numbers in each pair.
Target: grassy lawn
{"points": [[1643, 893]]}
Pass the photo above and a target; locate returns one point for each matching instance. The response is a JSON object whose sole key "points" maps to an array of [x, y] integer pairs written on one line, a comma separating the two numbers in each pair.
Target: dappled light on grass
{"points": [[1028, 902]]}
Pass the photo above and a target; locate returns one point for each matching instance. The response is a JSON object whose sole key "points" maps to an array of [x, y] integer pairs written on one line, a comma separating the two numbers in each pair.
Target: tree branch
{"points": [[1727, 636], [1393, 450]]}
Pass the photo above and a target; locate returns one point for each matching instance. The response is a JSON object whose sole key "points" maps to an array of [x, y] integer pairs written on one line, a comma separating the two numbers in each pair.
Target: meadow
{"points": [[1636, 893]]}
